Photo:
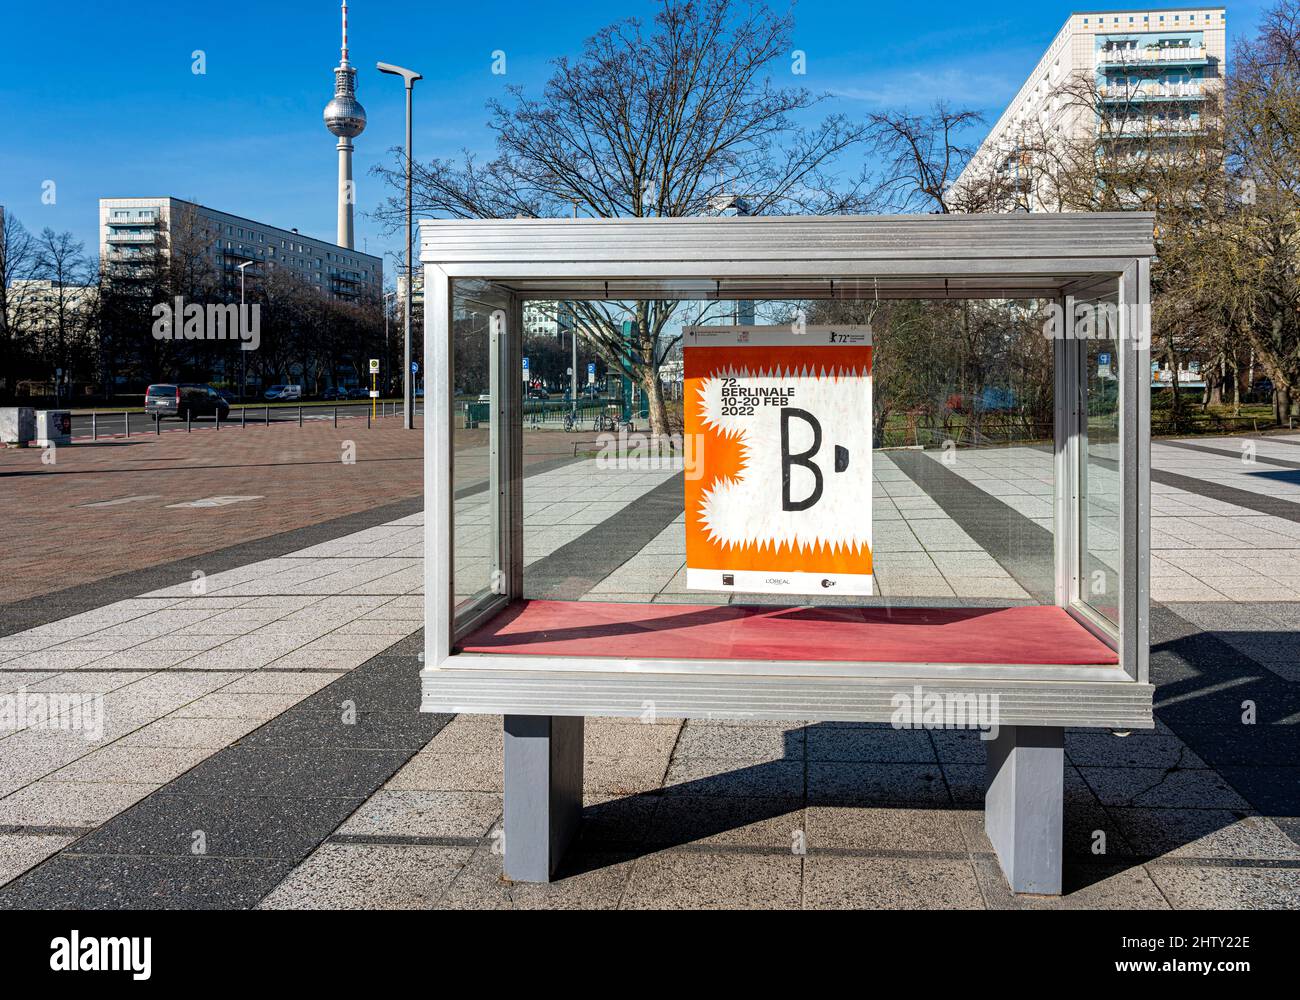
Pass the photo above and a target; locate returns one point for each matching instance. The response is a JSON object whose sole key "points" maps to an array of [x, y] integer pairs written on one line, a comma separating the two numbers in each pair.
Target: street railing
{"points": [[111, 423]]}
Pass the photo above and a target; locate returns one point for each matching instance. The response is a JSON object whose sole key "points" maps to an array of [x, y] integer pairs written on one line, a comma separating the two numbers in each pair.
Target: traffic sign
{"points": [[374, 366], [415, 367], [591, 372]]}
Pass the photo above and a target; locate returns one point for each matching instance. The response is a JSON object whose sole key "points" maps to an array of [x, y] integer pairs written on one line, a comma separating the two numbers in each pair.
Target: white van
{"points": [[290, 392]]}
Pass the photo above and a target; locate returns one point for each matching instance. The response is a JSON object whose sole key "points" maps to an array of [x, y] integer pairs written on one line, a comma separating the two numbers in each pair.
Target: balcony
{"points": [[150, 222], [124, 238], [1144, 129], [1153, 92], [1191, 55]]}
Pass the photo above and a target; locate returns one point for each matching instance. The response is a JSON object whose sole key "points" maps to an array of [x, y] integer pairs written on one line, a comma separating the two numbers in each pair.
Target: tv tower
{"points": [[346, 118]]}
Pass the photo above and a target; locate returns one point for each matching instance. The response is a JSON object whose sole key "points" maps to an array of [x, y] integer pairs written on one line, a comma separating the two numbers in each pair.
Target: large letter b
{"points": [[803, 458]]}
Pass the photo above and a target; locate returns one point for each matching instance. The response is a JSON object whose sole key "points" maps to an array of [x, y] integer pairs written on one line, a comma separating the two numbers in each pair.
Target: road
{"points": [[113, 422]]}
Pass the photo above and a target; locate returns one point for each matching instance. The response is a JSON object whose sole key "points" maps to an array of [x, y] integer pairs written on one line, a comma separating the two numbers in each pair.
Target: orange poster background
{"points": [[719, 456]]}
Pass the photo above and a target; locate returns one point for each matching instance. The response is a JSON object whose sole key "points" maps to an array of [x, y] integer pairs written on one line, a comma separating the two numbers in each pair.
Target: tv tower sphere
{"points": [[344, 116]]}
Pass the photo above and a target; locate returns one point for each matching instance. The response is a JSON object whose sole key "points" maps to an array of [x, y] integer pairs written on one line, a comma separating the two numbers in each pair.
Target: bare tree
{"points": [[17, 267], [656, 120], [922, 156], [1264, 151], [65, 323]]}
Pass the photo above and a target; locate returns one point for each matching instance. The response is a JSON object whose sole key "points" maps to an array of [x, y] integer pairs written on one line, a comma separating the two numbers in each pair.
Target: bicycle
{"points": [[570, 422]]}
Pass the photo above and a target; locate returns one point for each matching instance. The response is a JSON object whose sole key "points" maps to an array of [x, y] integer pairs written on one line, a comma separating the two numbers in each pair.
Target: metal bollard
{"points": [[127, 415], [267, 420], [299, 414], [188, 417], [336, 415], [243, 416], [367, 418], [157, 424], [93, 435], [218, 418]]}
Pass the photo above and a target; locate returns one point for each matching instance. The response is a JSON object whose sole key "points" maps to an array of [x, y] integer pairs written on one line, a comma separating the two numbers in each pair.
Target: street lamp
{"points": [[408, 403], [243, 355], [388, 296]]}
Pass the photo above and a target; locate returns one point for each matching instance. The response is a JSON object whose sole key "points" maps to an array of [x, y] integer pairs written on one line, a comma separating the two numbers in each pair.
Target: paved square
{"points": [[266, 706]]}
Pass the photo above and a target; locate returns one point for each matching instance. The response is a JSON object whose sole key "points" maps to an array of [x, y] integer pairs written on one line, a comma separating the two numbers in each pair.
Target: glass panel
{"points": [[477, 551], [963, 468], [1099, 477]]}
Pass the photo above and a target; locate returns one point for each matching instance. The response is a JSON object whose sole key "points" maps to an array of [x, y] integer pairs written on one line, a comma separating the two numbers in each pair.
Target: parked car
{"points": [[335, 392], [358, 392], [184, 399], [273, 392], [226, 394], [290, 392], [538, 394]]}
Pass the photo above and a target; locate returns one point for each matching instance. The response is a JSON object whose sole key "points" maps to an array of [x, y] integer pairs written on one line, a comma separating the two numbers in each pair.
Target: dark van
{"points": [[184, 399]]}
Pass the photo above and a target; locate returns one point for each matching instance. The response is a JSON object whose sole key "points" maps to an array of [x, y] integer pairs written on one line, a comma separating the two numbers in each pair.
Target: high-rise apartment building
{"points": [[136, 232], [547, 319], [1130, 75]]}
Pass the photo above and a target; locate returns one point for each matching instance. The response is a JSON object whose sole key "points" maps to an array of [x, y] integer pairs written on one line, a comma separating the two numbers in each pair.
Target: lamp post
{"points": [[388, 296], [243, 355], [408, 403]]}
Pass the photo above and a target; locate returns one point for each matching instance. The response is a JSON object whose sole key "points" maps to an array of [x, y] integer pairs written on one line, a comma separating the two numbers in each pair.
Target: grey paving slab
{"points": [[395, 813], [885, 829], [219, 827], [876, 784], [889, 884], [132, 764], [439, 772], [749, 744], [1086, 887], [210, 734], [1141, 786], [611, 821], [1203, 833], [1228, 888], [774, 823], [1149, 750], [300, 730], [680, 879], [696, 776], [884, 746], [90, 882], [62, 803], [616, 777], [279, 772], [20, 852], [369, 877], [588, 881]]}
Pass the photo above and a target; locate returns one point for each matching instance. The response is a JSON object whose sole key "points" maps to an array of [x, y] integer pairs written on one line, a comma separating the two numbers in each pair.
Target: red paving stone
{"points": [[53, 541], [57, 542]]}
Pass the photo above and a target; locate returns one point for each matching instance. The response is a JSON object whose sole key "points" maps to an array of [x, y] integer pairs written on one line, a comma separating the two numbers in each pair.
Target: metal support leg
{"points": [[543, 792], [1023, 805]]}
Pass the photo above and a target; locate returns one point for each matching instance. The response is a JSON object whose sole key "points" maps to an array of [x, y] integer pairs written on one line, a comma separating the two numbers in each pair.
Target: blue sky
{"points": [[100, 97]]}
